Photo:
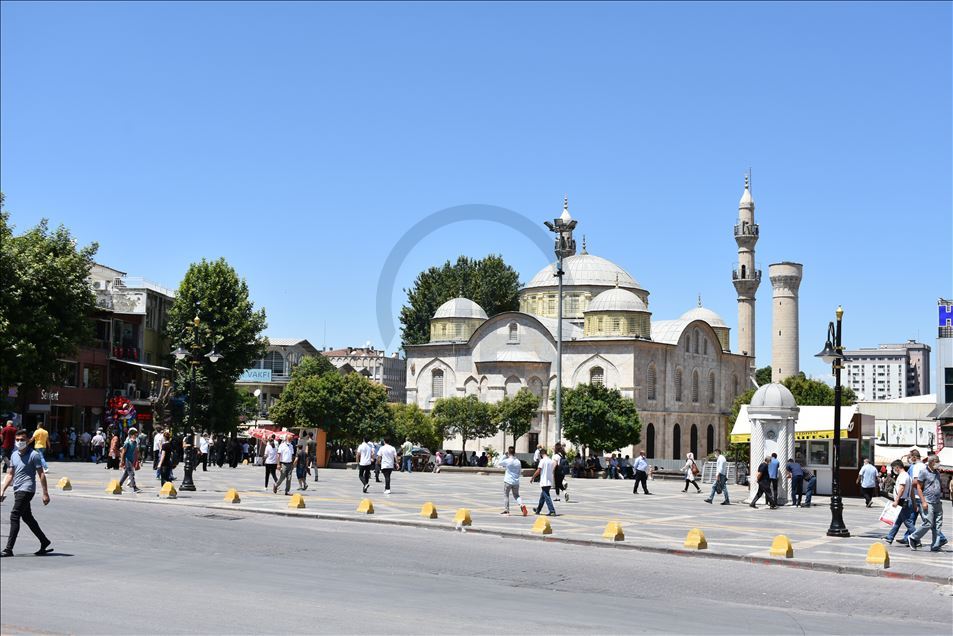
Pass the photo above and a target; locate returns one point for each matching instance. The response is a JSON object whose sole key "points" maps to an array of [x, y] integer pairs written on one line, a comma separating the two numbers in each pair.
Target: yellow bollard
{"points": [[781, 547], [366, 506], [244, 462], [613, 531], [541, 526], [428, 510], [168, 491], [878, 555], [114, 488], [232, 496], [695, 539], [462, 518], [296, 501], [64, 484]]}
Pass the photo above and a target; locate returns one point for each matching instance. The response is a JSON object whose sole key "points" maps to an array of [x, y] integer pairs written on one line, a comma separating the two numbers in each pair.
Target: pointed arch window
{"points": [[436, 384], [678, 385], [693, 440], [597, 375], [677, 442], [650, 441], [652, 382], [695, 386], [695, 338], [705, 346], [710, 440], [514, 332], [711, 387]]}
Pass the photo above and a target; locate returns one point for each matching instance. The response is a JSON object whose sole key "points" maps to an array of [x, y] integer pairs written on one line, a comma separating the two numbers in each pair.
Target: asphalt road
{"points": [[123, 568]]}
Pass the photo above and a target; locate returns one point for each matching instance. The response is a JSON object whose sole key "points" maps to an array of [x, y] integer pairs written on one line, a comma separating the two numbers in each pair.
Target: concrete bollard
{"points": [[64, 484], [428, 510], [366, 507], [296, 501], [244, 462], [541, 526], [168, 491], [878, 555], [781, 547], [695, 539], [613, 531], [114, 488], [232, 496], [462, 518]]}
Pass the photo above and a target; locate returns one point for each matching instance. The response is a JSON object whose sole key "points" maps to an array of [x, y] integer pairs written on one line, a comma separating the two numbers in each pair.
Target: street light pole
{"points": [[833, 355], [565, 246]]}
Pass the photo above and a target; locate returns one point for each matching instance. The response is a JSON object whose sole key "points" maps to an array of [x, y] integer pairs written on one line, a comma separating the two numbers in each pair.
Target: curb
{"points": [[615, 545]]}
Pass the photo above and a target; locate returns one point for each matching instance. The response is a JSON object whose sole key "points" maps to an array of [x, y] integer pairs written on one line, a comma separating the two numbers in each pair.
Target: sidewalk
{"points": [[658, 522]]}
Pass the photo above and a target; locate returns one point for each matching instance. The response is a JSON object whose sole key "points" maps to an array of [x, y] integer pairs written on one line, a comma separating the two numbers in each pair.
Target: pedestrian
{"points": [[931, 506], [112, 462], [512, 469], [437, 460], [625, 467], [25, 465], [536, 456], [286, 459], [8, 435], [377, 467], [365, 459], [129, 461], [165, 458], [98, 445], [562, 467], [691, 473], [774, 467], [220, 450], [157, 441], [143, 443], [84, 441], [903, 491], [407, 456], [203, 451], [720, 485], [544, 472], [764, 484], [641, 474], [245, 450], [71, 441], [867, 478], [301, 466], [40, 440], [797, 481], [810, 485], [271, 461], [387, 459]]}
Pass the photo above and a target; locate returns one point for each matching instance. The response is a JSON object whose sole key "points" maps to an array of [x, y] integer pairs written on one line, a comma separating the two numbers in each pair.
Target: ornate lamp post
{"points": [[195, 356], [833, 355], [565, 246]]}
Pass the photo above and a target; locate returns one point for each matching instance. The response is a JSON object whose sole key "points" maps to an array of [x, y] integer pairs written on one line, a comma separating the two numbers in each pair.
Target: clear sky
{"points": [[301, 141]]}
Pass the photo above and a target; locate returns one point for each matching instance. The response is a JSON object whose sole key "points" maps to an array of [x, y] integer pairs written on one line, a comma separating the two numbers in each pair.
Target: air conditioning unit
{"points": [[99, 284]]}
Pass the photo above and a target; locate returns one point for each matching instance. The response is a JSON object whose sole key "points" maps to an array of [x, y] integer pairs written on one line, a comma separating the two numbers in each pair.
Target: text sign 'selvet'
{"points": [[255, 375]]}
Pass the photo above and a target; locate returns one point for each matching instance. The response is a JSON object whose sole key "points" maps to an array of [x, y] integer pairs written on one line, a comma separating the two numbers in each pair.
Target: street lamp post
{"points": [[833, 355], [562, 227], [194, 355]]}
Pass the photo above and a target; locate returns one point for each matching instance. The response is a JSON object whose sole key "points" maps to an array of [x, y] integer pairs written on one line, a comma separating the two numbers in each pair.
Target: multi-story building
{"points": [[943, 412], [889, 371], [390, 371], [271, 374]]}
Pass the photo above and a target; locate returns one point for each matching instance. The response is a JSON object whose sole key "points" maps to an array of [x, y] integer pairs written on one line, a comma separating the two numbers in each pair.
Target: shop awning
{"points": [[813, 422], [148, 368]]}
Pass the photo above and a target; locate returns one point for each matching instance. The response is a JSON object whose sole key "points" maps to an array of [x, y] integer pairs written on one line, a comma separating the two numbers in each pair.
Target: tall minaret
{"points": [[746, 278], [786, 280]]}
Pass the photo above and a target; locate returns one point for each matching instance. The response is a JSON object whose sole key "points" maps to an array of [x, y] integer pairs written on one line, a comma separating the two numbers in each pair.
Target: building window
{"points": [[711, 387], [551, 306], [948, 385], [275, 361], [693, 440], [436, 384], [650, 441], [695, 338], [597, 376], [705, 347], [94, 376], [695, 386], [514, 332], [677, 442], [688, 344], [710, 441], [678, 385], [651, 382], [66, 374]]}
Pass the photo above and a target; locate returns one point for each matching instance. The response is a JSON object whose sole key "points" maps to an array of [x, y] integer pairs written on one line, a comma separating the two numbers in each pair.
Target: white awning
{"points": [[149, 368]]}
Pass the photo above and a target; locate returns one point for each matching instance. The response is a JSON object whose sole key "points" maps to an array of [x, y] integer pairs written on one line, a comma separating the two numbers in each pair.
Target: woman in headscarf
{"points": [[691, 472]]}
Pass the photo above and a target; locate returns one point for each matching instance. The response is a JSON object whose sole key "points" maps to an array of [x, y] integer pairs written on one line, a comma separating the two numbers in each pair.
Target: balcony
{"points": [[746, 229], [753, 276]]}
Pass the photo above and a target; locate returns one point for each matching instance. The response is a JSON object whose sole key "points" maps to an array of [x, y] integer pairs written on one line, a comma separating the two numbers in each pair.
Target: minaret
{"points": [[745, 277], [786, 280]]}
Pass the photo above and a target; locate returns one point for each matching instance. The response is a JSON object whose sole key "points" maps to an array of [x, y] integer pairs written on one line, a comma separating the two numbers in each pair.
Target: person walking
{"points": [[301, 465], [71, 439], [114, 444], [774, 467], [365, 459], [165, 458], [720, 484], [764, 484], [271, 461], [98, 445], [810, 485], [40, 440], [84, 441], [931, 507], [8, 435], [203, 451], [157, 441], [562, 467], [407, 456], [25, 465], [544, 472], [286, 459], [387, 459], [903, 490], [512, 469], [143, 442], [691, 473], [536, 456], [867, 478], [129, 460], [377, 467], [796, 473], [641, 474]]}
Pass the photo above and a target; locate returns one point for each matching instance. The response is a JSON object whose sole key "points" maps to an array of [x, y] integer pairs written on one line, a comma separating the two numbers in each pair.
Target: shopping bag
{"points": [[890, 514]]}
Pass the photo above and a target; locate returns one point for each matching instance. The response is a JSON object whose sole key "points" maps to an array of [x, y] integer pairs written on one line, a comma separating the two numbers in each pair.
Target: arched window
{"points": [[695, 338], [711, 387], [651, 381], [615, 325], [693, 440], [275, 361], [536, 386], [514, 332], [688, 344], [711, 439], [436, 384], [512, 385], [650, 441], [705, 347], [678, 385], [695, 386], [677, 442], [597, 376]]}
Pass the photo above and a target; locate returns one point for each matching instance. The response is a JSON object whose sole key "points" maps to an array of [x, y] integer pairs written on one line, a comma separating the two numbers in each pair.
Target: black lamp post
{"points": [[562, 227], [833, 355], [195, 359]]}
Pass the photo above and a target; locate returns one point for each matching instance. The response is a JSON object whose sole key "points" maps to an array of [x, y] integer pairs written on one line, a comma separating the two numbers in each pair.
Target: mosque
{"points": [[681, 373]]}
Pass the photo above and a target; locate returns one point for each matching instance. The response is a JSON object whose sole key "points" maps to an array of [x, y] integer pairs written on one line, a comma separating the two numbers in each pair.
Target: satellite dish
{"points": [[257, 393]]}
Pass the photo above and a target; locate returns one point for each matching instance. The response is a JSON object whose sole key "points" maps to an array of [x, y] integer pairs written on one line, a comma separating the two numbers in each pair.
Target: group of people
{"points": [[448, 458], [918, 495], [297, 455]]}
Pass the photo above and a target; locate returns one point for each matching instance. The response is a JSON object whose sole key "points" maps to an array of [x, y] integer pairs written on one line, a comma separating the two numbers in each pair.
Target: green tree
{"points": [[599, 418], [514, 416], [763, 375], [313, 366], [489, 282], [247, 404], [228, 321], [45, 303], [411, 422], [467, 417]]}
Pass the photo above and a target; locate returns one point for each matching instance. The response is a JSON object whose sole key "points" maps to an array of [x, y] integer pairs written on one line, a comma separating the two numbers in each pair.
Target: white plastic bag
{"points": [[890, 514]]}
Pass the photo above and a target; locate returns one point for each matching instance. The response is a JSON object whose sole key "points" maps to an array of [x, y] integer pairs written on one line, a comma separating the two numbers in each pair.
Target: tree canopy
{"points": [[514, 415], [467, 417], [411, 422], [229, 322], [489, 282], [762, 376], [46, 303], [599, 418]]}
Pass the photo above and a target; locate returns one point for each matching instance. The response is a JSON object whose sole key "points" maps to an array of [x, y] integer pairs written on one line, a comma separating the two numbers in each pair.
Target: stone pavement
{"points": [[656, 522]]}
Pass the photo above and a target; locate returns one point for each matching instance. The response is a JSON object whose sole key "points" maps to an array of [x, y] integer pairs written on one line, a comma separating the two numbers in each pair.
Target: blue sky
{"points": [[300, 141]]}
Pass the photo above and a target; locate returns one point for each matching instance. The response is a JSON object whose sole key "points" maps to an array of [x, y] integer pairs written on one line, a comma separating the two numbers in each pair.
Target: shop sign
{"points": [[52, 396], [255, 375]]}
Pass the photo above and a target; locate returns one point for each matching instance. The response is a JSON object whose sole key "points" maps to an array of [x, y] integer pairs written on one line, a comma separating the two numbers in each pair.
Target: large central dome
{"points": [[585, 270]]}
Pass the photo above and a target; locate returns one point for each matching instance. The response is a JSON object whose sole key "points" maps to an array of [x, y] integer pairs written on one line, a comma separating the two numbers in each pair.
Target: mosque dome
{"points": [[585, 269], [704, 314], [616, 299], [774, 395], [460, 308]]}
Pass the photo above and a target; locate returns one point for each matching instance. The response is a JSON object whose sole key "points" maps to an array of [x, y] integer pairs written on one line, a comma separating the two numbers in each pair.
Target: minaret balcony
{"points": [[738, 275], [746, 229]]}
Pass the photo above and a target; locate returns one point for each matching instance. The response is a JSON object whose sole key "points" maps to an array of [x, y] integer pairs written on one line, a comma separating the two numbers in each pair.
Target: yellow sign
{"points": [[744, 438]]}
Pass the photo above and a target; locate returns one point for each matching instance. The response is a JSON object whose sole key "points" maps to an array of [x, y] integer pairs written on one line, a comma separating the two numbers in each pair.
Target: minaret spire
{"points": [[746, 277]]}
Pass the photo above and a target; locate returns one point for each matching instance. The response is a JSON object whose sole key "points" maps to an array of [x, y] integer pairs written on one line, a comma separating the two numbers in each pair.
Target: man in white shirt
{"points": [[407, 456], [867, 478], [157, 441], [271, 461], [721, 479], [545, 474], [902, 493], [203, 451], [536, 456], [365, 459], [286, 459], [511, 480], [387, 459], [641, 474], [98, 445]]}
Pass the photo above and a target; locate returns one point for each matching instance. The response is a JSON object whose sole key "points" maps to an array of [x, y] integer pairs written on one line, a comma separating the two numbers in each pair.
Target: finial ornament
{"points": [[584, 244], [699, 300], [617, 279], [747, 181], [566, 202]]}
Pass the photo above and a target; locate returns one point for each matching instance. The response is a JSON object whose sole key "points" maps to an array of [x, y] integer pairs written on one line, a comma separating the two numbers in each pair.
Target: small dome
{"points": [[774, 395], [616, 299], [704, 314], [460, 308], [585, 269]]}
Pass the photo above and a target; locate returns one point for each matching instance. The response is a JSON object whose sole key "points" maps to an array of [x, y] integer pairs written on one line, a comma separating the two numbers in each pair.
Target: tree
{"points": [[313, 366], [229, 322], [806, 391], [599, 418], [763, 375], [46, 303], [489, 282], [514, 416], [467, 417], [411, 422]]}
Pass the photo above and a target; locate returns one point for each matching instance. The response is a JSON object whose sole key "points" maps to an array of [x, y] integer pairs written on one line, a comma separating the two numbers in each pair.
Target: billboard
{"points": [[255, 375]]}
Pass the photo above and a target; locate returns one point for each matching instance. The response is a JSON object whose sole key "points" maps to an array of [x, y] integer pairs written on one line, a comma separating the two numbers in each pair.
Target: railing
{"points": [[749, 275], [138, 282], [746, 229]]}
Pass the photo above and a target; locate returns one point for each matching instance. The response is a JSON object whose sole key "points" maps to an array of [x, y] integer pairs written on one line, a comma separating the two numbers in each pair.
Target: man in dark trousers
{"points": [[764, 484], [641, 474], [25, 465]]}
